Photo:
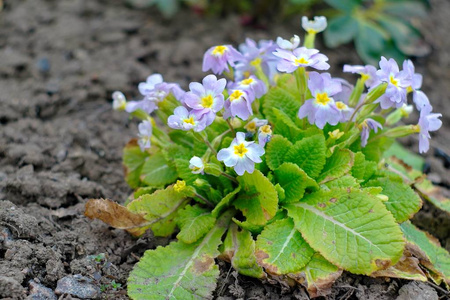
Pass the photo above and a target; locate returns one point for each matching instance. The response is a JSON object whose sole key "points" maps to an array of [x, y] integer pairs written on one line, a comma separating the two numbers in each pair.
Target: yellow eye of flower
{"points": [[219, 50], [393, 80], [336, 134], [301, 61], [179, 186], [365, 77], [251, 127], [189, 121], [247, 81], [240, 150], [341, 105], [256, 62], [236, 95], [266, 129], [207, 101], [322, 98]]}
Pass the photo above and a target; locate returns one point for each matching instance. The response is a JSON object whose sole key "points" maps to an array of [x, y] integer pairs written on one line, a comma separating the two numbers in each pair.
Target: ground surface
{"points": [[60, 142]]}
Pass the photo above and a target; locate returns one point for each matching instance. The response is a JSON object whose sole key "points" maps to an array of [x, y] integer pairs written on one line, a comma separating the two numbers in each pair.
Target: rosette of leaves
{"points": [[377, 27], [316, 206]]}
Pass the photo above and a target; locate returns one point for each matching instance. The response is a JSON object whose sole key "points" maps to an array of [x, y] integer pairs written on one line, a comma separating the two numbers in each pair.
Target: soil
{"points": [[61, 143]]}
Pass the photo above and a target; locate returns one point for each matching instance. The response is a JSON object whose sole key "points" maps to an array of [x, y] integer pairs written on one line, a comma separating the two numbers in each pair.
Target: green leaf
{"points": [[276, 150], [239, 248], [283, 125], [280, 248], [179, 270], [405, 9], [294, 181], [258, 199], [415, 161], [156, 172], [281, 99], [345, 5], [161, 208], [344, 181], [318, 276], [340, 30], [225, 202], [375, 149], [434, 194], [350, 228], [436, 259], [308, 154], [337, 165], [403, 202], [370, 42], [194, 222], [359, 166], [133, 160]]}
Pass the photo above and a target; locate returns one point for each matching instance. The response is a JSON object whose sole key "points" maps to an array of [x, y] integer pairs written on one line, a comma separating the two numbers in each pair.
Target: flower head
{"points": [[427, 122], [288, 44], [421, 100], [196, 165], [256, 86], [368, 74], [416, 78], [145, 134], [314, 26], [322, 108], [241, 155], [301, 57], [119, 101], [239, 104], [155, 89], [264, 134], [367, 125], [206, 99], [398, 82], [254, 124], [185, 120], [219, 58]]}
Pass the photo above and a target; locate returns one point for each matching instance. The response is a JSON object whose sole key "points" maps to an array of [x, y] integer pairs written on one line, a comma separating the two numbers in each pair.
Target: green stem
{"points": [[300, 77], [207, 202], [309, 40], [231, 127], [357, 92], [229, 177]]}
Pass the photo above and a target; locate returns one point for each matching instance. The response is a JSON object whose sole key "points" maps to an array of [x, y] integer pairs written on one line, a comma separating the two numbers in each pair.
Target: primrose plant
{"points": [[280, 169]]}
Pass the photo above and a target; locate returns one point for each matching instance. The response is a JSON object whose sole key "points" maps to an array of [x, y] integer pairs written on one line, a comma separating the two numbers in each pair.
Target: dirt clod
{"points": [[78, 286]]}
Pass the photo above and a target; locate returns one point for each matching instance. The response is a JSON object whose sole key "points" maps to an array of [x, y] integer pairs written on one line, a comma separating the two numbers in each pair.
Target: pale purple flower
{"points": [[416, 78], [145, 134], [398, 82], [322, 108], [368, 74], [301, 57], [264, 135], [185, 120], [254, 54], [288, 44], [219, 58], [420, 100], [314, 26], [196, 165], [367, 125], [241, 155], [427, 122], [256, 86], [254, 124], [119, 101], [155, 89], [206, 99], [239, 104], [146, 105], [341, 99]]}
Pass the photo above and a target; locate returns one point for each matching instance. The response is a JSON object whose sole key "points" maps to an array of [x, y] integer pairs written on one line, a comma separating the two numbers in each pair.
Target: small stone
{"points": [[78, 286], [40, 292], [417, 291]]}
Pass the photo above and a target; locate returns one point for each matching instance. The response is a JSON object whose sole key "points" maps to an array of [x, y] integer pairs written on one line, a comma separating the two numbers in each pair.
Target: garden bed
{"points": [[61, 142]]}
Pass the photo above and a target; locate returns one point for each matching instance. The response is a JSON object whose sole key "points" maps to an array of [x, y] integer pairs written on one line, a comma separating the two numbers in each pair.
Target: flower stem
{"points": [[207, 202], [309, 40], [230, 177], [300, 77], [231, 127]]}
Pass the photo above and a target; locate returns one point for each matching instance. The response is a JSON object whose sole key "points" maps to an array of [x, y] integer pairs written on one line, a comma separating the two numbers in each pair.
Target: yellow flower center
{"points": [[301, 61], [393, 80], [207, 101], [195, 169], [219, 50], [256, 62], [341, 105], [247, 81], [336, 134], [247, 74], [322, 98], [251, 127], [189, 121], [409, 89], [266, 129], [240, 150], [236, 95], [179, 186], [365, 77]]}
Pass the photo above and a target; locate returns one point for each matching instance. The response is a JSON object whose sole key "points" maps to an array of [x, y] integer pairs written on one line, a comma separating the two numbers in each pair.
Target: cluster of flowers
{"points": [[251, 71]]}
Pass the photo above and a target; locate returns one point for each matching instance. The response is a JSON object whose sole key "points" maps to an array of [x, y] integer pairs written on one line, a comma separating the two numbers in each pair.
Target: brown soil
{"points": [[61, 143]]}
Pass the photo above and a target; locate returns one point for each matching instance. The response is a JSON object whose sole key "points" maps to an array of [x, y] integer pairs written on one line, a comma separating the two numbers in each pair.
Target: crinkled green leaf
{"points": [[133, 160], [403, 202], [194, 222], [179, 270], [337, 165], [258, 199], [294, 181], [280, 248], [350, 228], [359, 165], [318, 276], [276, 150], [344, 181], [161, 207], [436, 259], [374, 150], [283, 125], [156, 171], [281, 99], [225, 202], [308, 154]]}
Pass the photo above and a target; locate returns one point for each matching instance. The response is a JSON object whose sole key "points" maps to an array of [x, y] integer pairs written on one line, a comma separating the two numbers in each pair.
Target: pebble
{"points": [[78, 286], [40, 292]]}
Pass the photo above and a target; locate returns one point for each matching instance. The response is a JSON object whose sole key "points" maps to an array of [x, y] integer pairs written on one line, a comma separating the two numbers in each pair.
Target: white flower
{"points": [[288, 44], [145, 134], [196, 165], [119, 101], [314, 26]]}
